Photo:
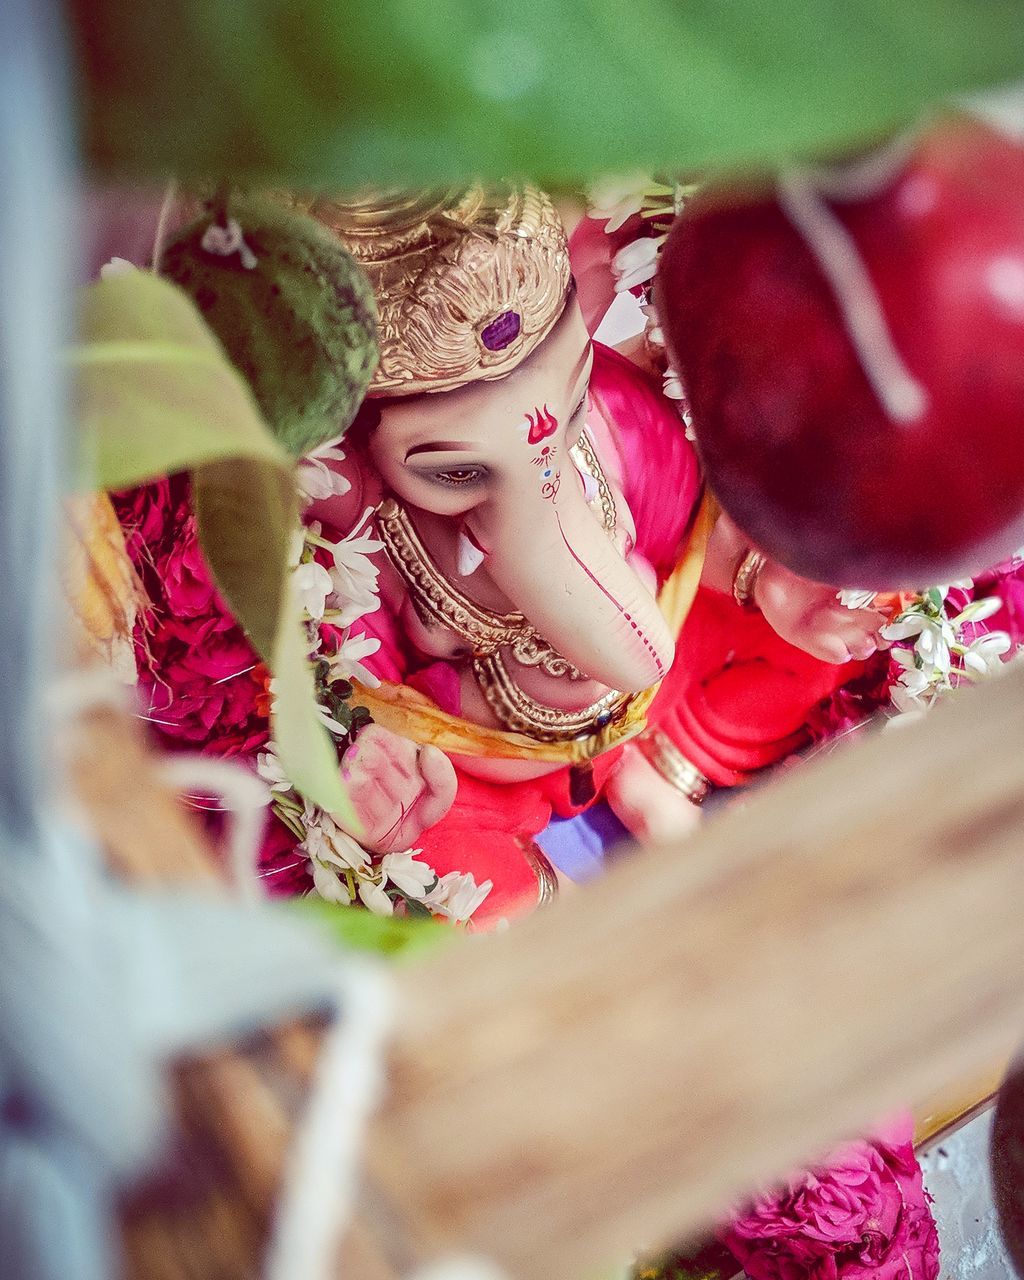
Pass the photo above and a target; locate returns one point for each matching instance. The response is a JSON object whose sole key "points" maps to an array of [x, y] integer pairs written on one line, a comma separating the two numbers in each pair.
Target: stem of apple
{"points": [[902, 397]]}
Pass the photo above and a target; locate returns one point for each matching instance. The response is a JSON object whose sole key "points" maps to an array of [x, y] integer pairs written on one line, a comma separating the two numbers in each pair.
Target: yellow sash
{"points": [[411, 714]]}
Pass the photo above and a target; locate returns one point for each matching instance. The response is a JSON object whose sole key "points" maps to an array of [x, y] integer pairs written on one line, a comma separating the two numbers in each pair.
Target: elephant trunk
{"points": [[559, 567]]}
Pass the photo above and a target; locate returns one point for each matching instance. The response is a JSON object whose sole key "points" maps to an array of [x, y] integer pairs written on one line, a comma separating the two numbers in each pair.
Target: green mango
{"points": [[294, 313]]}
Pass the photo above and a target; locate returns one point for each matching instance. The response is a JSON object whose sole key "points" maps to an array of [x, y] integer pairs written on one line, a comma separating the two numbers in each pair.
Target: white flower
{"points": [[616, 198], [935, 637], [909, 690], [851, 598], [904, 627], [457, 896], [978, 610], [326, 842], [116, 267], [269, 768], [653, 330], [375, 898], [354, 574], [329, 722], [314, 584], [984, 655], [317, 479], [636, 263], [407, 873], [671, 386], [328, 884], [347, 662], [933, 646], [331, 852]]}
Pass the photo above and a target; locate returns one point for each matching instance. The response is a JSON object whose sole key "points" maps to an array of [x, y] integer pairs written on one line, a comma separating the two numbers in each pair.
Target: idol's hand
{"points": [[397, 788], [642, 800], [810, 616]]}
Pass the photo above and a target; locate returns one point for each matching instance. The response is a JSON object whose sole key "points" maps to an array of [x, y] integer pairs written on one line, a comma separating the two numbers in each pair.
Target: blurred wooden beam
{"points": [[610, 1073], [607, 1075]]}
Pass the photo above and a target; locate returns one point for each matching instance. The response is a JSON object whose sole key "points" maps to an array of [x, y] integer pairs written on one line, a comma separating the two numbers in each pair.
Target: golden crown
{"points": [[468, 281]]}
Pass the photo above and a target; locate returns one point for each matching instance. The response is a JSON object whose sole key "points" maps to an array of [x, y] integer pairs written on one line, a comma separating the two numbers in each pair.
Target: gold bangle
{"points": [[666, 759], [745, 578]]}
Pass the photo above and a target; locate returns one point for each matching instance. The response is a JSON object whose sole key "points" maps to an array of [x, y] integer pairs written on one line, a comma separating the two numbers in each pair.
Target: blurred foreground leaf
{"points": [[400, 936], [155, 394], [338, 93]]}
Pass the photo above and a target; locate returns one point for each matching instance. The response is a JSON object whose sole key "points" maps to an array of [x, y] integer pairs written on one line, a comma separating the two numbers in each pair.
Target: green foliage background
{"points": [[336, 93]]}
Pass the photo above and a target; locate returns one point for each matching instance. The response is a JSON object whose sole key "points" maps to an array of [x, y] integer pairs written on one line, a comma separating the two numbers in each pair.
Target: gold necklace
{"points": [[522, 714]]}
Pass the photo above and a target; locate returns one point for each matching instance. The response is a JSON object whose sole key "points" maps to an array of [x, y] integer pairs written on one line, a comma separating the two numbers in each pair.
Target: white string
{"points": [[318, 1195], [902, 397], [246, 797], [162, 222], [1000, 109]]}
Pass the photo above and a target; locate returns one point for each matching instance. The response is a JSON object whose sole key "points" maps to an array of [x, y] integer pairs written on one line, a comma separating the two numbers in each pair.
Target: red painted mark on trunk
{"points": [[604, 591], [543, 423]]}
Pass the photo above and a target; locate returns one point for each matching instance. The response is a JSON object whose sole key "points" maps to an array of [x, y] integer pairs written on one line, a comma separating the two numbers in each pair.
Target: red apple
{"points": [[792, 431]]}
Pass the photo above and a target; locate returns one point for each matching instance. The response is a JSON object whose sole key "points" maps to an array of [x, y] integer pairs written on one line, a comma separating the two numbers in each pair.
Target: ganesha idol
{"points": [[572, 640]]}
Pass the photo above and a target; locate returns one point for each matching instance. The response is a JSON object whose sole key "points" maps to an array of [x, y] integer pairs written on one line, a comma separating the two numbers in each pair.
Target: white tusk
{"points": [[590, 485], [470, 556]]}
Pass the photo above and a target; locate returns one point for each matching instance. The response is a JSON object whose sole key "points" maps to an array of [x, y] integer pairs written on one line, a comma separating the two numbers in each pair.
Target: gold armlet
{"points": [[745, 579], [665, 758]]}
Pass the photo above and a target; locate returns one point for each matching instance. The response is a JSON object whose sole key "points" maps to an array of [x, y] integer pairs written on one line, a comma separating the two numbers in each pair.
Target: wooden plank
{"points": [[609, 1074]]}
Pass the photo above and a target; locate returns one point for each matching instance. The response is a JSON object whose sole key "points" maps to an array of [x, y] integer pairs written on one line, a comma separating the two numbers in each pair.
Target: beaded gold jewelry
{"points": [[522, 714], [745, 579], [666, 759]]}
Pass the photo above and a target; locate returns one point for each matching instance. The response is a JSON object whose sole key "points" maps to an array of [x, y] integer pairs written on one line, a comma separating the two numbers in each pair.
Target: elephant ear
{"points": [[291, 308], [155, 394]]}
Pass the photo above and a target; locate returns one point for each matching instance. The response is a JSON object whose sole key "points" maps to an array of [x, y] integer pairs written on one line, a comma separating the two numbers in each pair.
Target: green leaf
{"points": [[399, 936], [305, 747], [155, 394], [246, 514], [338, 93]]}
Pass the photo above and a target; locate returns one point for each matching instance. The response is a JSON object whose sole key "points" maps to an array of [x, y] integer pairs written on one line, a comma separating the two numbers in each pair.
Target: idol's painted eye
{"points": [[457, 477]]}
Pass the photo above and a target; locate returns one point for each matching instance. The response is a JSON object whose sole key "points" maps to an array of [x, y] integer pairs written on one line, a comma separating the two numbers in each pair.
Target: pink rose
{"points": [[864, 1214]]}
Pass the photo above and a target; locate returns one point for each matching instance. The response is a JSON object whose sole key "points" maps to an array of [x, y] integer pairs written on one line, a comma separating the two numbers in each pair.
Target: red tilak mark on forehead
{"points": [[543, 423]]}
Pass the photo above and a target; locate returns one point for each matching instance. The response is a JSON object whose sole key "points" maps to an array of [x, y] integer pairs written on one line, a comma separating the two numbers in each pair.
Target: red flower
{"points": [[863, 1215], [205, 686]]}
